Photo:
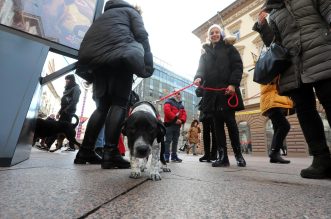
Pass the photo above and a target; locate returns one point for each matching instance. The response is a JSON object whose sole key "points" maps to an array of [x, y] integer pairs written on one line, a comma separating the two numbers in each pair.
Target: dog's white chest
{"points": [[145, 108]]}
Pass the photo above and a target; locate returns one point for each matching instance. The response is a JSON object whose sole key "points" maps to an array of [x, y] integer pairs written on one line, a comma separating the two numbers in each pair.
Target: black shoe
{"points": [[240, 160], [175, 158], [70, 149], [87, 156], [112, 158], [98, 151], [204, 158], [213, 157], [319, 169], [276, 158], [166, 157], [221, 162], [239, 157]]}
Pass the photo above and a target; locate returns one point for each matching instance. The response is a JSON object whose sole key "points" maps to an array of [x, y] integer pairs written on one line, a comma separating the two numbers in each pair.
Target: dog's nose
{"points": [[142, 151]]}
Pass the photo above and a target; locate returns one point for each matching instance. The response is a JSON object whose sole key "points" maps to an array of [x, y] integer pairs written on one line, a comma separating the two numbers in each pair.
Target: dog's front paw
{"points": [[165, 168], [155, 175], [135, 174]]}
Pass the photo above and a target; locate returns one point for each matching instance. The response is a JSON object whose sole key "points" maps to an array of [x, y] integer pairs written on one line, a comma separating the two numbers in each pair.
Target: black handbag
{"points": [[272, 62]]}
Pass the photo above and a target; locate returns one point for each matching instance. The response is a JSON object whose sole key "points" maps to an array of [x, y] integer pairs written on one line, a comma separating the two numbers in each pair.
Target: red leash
{"points": [[233, 95]]}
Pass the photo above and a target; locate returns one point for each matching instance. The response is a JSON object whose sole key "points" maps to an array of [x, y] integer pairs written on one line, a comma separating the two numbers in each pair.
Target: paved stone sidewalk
{"points": [[49, 185]]}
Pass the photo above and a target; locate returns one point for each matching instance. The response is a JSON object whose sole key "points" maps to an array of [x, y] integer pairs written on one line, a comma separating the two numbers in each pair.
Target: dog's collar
{"points": [[146, 108]]}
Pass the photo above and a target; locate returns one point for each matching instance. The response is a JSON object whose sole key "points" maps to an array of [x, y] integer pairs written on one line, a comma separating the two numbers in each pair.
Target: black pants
{"points": [[112, 99], [280, 125], [309, 119], [227, 117], [208, 127]]}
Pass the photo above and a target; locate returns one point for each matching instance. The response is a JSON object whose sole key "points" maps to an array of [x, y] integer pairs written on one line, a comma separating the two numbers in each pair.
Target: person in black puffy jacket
{"points": [[220, 66], [114, 48]]}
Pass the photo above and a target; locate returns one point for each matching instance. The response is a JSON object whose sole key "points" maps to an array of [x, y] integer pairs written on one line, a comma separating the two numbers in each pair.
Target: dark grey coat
{"points": [[303, 28], [220, 67], [119, 29]]}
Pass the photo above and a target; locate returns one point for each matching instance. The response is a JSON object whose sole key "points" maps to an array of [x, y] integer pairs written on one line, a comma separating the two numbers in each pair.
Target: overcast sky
{"points": [[170, 24]]}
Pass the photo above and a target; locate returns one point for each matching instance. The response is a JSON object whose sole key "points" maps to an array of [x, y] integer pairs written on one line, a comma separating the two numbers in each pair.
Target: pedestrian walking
{"points": [[69, 102]]}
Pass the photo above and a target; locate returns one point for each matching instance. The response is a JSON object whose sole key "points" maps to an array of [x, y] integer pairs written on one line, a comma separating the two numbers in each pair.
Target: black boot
{"points": [[319, 169], [87, 156], [112, 158], [204, 158], [239, 157], [213, 155], [276, 158], [223, 160]]}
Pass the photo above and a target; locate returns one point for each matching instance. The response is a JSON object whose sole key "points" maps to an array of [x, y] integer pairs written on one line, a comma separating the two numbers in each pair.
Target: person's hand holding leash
{"points": [[230, 90]]}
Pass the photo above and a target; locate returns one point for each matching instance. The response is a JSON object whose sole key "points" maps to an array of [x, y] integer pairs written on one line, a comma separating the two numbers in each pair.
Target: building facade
{"points": [[255, 130]]}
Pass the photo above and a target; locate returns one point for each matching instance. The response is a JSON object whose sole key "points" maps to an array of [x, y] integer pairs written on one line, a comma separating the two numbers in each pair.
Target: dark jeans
{"points": [[280, 125], [227, 117], [309, 119], [172, 136], [208, 127]]}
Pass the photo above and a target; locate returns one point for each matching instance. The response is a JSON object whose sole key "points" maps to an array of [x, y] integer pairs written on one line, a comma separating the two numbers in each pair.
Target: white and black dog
{"points": [[145, 133]]}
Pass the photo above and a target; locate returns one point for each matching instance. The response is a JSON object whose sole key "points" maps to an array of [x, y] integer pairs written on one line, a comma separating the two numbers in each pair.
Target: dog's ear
{"points": [[161, 131], [124, 125]]}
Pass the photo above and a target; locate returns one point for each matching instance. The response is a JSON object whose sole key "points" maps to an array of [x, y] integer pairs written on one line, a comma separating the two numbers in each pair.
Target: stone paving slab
{"points": [[49, 185], [196, 190]]}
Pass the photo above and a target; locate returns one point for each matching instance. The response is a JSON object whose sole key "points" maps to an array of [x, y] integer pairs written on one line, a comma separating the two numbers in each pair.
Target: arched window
{"points": [[245, 137]]}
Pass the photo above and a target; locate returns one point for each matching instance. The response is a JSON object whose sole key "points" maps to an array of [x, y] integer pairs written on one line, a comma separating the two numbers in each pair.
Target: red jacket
{"points": [[174, 110]]}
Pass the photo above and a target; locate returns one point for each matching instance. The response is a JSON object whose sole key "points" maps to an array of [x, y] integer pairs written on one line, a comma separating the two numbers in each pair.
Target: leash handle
{"points": [[233, 95]]}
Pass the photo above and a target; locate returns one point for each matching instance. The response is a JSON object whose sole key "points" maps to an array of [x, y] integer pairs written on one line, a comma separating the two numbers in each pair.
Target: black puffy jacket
{"points": [[117, 31], [220, 67]]}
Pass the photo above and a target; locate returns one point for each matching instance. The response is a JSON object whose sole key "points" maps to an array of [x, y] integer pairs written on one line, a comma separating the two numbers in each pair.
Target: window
{"points": [[245, 137], [236, 34]]}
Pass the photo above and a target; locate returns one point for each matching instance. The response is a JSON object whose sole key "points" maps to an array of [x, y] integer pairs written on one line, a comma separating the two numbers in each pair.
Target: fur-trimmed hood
{"points": [[228, 40]]}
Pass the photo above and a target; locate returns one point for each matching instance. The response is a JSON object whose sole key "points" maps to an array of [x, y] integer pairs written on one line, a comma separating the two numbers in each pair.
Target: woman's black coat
{"points": [[219, 67], [117, 31]]}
